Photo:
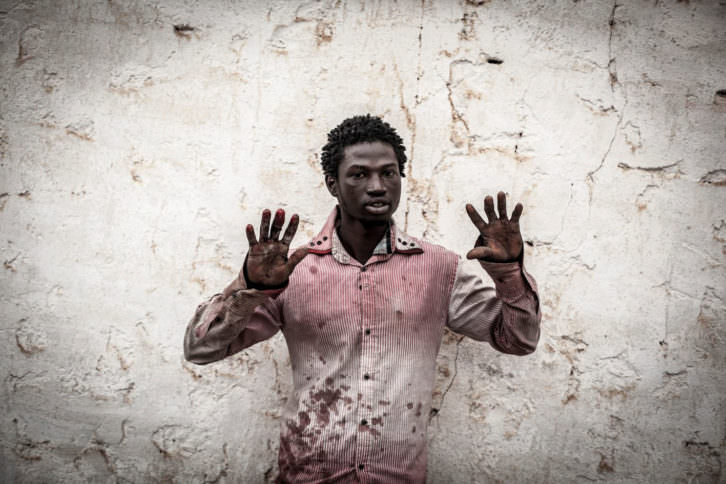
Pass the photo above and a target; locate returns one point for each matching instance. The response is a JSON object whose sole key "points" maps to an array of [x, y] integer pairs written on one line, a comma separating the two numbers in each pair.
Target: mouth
{"points": [[377, 207]]}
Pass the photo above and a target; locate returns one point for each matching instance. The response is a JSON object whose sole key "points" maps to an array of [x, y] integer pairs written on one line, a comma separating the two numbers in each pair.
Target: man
{"points": [[363, 307]]}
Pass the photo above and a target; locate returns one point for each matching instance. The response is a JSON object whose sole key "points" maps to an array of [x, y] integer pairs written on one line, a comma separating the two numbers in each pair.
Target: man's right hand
{"points": [[267, 262]]}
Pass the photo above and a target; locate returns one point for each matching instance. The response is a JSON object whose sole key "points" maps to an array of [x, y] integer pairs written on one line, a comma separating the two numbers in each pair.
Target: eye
{"points": [[389, 173], [358, 175]]}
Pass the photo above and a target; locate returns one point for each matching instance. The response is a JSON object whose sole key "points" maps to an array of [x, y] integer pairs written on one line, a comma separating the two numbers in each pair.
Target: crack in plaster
{"points": [[612, 67], [651, 169], [613, 77], [411, 118], [456, 116], [715, 178]]}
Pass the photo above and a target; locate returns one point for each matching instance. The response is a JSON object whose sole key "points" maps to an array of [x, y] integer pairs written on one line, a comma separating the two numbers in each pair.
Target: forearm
{"points": [[516, 331], [216, 329], [506, 316]]}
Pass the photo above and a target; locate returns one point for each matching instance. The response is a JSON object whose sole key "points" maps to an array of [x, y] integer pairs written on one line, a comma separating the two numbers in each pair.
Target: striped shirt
{"points": [[363, 340]]}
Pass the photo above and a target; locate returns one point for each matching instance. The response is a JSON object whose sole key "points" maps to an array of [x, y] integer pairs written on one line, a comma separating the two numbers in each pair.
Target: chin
{"points": [[377, 219]]}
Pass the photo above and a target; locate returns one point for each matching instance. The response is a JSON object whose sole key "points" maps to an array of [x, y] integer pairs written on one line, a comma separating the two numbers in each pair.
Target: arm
{"points": [[507, 317], [245, 313], [230, 322]]}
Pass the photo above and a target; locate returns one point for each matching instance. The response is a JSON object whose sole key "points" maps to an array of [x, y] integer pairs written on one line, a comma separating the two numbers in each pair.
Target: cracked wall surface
{"points": [[138, 138]]}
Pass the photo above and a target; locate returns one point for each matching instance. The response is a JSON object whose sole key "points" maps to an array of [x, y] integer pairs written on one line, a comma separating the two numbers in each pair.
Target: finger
{"points": [[479, 253], [475, 217], [265, 226], [250, 230], [517, 212], [277, 224], [502, 205], [295, 258], [291, 229], [489, 208]]}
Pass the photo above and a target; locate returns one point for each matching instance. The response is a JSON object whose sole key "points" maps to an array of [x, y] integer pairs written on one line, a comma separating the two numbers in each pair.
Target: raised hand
{"points": [[499, 240], [267, 260]]}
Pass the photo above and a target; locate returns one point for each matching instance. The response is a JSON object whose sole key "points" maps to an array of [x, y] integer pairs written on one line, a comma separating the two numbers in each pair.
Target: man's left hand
{"points": [[499, 240]]}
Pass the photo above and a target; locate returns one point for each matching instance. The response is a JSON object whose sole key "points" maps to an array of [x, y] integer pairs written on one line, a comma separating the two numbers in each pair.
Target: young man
{"points": [[363, 307]]}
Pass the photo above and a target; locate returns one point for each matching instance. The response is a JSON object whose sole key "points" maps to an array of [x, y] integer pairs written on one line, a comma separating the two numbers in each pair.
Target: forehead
{"points": [[370, 152]]}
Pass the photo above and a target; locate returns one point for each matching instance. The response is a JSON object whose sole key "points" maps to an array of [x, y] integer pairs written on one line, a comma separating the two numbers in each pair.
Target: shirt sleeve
{"points": [[507, 315], [231, 321]]}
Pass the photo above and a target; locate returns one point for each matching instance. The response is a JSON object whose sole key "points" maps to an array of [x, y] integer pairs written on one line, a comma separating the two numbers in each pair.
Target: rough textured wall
{"points": [[137, 139]]}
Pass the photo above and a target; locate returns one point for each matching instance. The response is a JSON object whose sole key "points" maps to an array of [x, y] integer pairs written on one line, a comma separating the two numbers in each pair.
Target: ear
{"points": [[332, 184]]}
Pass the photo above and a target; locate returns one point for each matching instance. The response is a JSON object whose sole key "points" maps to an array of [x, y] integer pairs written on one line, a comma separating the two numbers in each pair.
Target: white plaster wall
{"points": [[132, 156]]}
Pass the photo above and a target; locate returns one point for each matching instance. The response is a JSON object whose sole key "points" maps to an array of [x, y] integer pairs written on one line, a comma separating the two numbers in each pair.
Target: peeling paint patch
{"points": [[324, 33], [715, 178], [83, 130], [184, 31], [30, 340], [174, 441]]}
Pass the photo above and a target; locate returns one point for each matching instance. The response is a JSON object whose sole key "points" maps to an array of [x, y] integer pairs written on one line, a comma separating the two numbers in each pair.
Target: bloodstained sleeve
{"points": [[507, 315], [230, 322]]}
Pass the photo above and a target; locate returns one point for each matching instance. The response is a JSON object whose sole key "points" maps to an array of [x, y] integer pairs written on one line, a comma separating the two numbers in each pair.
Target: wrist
{"points": [[233, 287]]}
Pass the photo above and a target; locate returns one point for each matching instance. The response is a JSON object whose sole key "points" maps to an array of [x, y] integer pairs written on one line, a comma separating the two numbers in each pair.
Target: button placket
{"points": [[367, 365]]}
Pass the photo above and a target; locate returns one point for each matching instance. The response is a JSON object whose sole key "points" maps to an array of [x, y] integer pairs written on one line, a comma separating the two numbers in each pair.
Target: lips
{"points": [[377, 207]]}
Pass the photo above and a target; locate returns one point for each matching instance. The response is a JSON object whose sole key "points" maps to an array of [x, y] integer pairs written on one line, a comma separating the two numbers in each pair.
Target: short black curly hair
{"points": [[360, 129]]}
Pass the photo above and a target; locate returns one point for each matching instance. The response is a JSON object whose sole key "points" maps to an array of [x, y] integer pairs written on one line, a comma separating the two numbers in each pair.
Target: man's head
{"points": [[360, 129], [363, 163]]}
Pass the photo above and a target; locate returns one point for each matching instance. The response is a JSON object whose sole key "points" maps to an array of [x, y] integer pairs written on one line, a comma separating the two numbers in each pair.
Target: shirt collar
{"points": [[394, 241]]}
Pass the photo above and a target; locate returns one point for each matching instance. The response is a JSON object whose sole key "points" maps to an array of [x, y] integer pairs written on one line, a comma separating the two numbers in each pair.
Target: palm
{"points": [[267, 261], [499, 239]]}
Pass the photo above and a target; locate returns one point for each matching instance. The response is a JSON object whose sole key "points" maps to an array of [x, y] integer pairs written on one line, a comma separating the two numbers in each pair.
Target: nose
{"points": [[375, 185]]}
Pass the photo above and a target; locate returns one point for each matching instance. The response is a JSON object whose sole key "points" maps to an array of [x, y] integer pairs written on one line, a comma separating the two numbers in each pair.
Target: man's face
{"points": [[368, 187]]}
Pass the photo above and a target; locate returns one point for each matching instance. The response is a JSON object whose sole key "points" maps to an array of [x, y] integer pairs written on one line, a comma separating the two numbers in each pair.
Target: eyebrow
{"points": [[364, 167]]}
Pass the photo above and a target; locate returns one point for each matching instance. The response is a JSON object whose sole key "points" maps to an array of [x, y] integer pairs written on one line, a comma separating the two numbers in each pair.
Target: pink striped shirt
{"points": [[363, 340]]}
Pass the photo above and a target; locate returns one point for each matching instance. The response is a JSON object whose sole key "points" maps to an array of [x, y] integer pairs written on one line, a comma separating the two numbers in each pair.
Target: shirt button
{"points": [[363, 269], [368, 331], [366, 376], [361, 466], [364, 422]]}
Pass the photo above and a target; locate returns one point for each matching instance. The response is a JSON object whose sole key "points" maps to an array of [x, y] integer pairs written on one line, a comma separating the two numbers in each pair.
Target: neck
{"points": [[360, 238]]}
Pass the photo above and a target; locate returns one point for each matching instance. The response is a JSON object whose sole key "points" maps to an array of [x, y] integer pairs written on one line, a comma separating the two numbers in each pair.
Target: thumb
{"points": [[295, 258], [479, 253]]}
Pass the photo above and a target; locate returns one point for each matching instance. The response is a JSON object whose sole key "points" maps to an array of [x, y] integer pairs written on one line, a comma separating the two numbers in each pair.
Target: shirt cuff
{"points": [[508, 278]]}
